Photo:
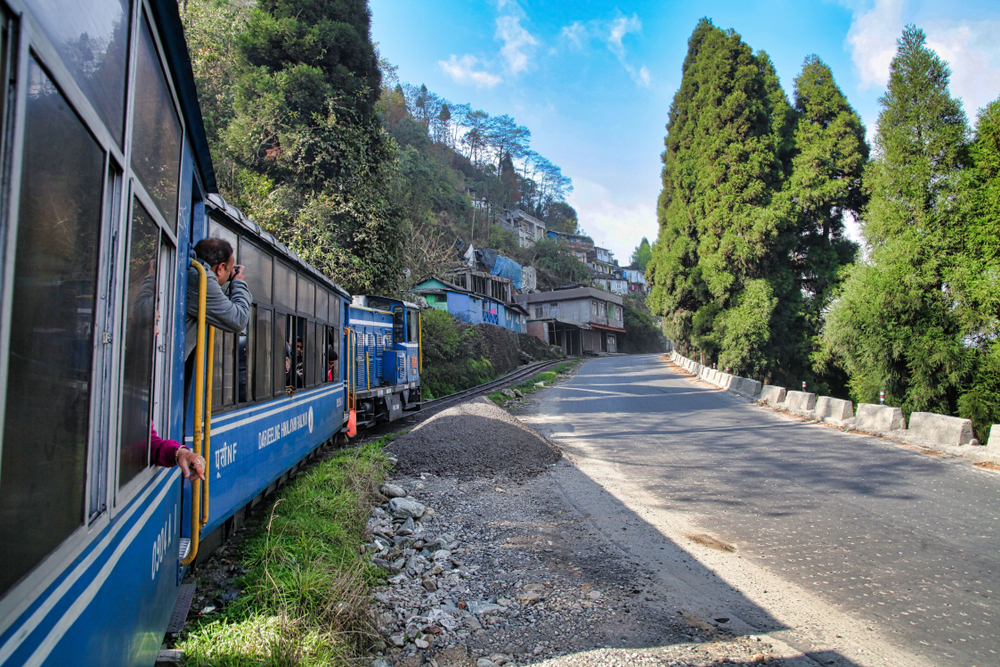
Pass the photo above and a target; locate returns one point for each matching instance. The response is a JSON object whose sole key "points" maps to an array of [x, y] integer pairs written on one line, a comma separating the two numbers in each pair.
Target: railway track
{"points": [[508, 380]]}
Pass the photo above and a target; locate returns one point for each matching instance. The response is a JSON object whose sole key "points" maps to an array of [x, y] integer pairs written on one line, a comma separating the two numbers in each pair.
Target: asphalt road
{"points": [[905, 543]]}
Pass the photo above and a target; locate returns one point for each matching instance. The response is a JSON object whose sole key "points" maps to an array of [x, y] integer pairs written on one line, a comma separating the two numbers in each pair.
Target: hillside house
{"points": [[580, 319]]}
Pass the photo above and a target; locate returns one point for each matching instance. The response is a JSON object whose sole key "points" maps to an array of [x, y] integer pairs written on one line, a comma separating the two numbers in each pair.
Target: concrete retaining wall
{"points": [[772, 395], [833, 409], [800, 401], [878, 418], [940, 429]]}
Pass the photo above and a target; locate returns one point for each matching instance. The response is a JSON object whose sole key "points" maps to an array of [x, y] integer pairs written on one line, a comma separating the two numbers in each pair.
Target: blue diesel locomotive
{"points": [[107, 184]]}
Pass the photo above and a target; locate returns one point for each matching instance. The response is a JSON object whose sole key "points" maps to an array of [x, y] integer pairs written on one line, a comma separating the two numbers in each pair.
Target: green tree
{"points": [[979, 275], [830, 154], [894, 325], [305, 126], [723, 218], [641, 255]]}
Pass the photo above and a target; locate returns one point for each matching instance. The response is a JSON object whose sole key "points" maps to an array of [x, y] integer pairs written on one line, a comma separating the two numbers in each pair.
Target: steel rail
{"points": [[514, 377]]}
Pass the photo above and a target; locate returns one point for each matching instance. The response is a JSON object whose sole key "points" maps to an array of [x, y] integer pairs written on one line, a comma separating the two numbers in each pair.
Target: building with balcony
{"points": [[578, 318], [527, 228]]}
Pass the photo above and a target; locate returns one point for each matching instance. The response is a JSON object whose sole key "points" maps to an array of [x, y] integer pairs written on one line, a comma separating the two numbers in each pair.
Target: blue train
{"points": [[107, 184]]}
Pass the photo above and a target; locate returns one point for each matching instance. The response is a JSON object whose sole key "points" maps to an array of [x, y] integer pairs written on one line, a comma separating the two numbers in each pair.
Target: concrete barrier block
{"points": [[994, 441], [753, 390], [872, 417], [772, 395], [940, 429], [726, 381], [834, 409], [800, 401], [736, 386]]}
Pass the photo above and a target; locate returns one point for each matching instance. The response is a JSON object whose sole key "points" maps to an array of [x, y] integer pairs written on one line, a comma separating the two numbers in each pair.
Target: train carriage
{"points": [[105, 176]]}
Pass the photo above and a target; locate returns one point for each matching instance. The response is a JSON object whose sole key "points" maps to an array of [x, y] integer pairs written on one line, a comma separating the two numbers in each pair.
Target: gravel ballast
{"points": [[474, 439], [499, 568]]}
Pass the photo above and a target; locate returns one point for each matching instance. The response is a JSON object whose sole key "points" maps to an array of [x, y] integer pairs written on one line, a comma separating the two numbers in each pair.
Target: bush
{"points": [[455, 355], [642, 335]]}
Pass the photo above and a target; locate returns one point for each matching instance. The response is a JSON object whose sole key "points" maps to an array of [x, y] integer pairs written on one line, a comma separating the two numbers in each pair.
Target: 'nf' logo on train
{"points": [[285, 428], [223, 457]]}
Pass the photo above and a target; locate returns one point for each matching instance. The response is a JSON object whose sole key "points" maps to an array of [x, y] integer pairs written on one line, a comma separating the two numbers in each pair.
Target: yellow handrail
{"points": [[368, 372], [199, 402], [420, 342], [207, 442]]}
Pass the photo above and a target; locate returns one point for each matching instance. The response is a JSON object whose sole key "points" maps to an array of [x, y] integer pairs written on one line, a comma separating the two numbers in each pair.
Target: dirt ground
{"points": [[527, 578]]}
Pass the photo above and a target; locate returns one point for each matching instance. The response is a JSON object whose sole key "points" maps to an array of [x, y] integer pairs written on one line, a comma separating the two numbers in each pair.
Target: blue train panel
{"points": [[253, 447], [111, 604]]}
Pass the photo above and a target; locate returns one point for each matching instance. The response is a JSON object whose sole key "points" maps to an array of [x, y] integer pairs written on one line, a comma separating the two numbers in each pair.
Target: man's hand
{"points": [[239, 273], [191, 464]]}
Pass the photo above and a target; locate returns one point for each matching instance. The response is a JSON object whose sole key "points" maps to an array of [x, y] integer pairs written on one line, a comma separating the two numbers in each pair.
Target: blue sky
{"points": [[593, 81]]}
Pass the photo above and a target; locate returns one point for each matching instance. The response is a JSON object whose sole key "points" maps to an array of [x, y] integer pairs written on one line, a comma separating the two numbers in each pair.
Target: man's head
{"points": [[218, 254]]}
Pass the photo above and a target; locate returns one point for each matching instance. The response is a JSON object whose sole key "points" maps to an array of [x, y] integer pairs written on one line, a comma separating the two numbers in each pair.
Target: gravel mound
{"points": [[474, 439]]}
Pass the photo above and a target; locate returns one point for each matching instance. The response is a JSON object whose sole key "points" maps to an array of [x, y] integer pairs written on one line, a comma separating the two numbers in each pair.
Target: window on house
{"points": [[553, 310], [538, 312]]}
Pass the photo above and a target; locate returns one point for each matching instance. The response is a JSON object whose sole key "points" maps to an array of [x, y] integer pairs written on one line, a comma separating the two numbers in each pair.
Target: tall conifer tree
{"points": [[825, 186], [721, 224], [894, 324]]}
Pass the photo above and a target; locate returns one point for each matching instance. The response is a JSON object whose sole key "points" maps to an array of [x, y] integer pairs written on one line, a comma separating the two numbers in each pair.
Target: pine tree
{"points": [[721, 223], [830, 153], [641, 255], [894, 324]]}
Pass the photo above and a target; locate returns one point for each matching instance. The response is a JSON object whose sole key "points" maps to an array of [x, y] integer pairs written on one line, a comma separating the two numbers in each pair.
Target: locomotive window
{"points": [[217, 368], [414, 329], [243, 368], [398, 325], [156, 131], [258, 272], [322, 304], [137, 361], [262, 361], [49, 362], [92, 38], [284, 286], [307, 296]]}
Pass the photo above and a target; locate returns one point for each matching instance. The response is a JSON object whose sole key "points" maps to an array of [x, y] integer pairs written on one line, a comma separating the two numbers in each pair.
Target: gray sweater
{"points": [[229, 313]]}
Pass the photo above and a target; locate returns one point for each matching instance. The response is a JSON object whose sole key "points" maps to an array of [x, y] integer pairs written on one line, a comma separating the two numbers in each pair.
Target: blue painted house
{"points": [[471, 307]]}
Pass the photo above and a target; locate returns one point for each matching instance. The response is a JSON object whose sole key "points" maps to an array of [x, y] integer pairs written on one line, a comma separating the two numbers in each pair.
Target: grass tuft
{"points": [[306, 590]]}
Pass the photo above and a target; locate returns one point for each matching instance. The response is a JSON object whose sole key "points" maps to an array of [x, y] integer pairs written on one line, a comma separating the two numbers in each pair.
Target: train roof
{"points": [[215, 202], [171, 31]]}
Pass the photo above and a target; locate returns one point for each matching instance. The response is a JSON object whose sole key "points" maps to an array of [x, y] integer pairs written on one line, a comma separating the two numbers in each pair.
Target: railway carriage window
{"points": [[156, 130], [228, 359], [218, 231], [262, 360], [49, 362], [284, 286], [92, 38], [307, 296], [242, 361], [258, 272], [137, 360], [322, 305], [299, 346], [309, 355], [282, 354]]}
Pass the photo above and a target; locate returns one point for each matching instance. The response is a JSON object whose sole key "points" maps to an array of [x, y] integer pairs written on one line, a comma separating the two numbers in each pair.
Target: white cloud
{"points": [[463, 70], [619, 28], [972, 51], [518, 43], [575, 34], [970, 48], [616, 225], [872, 39]]}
